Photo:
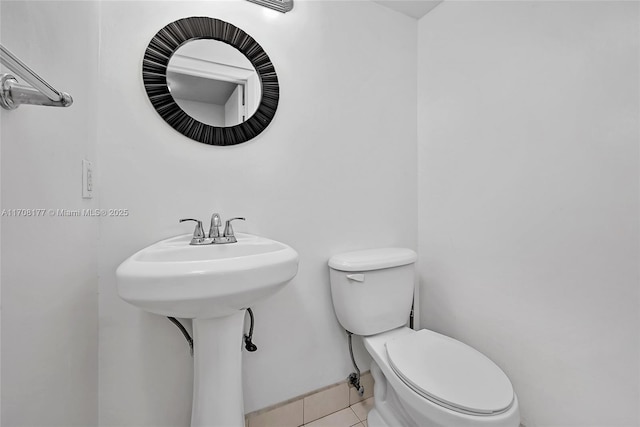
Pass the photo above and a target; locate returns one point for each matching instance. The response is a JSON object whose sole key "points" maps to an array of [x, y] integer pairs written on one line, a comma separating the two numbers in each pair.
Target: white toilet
{"points": [[422, 378]]}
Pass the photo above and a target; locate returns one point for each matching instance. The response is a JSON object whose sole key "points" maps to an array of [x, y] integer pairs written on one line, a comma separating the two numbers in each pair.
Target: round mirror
{"points": [[210, 81]]}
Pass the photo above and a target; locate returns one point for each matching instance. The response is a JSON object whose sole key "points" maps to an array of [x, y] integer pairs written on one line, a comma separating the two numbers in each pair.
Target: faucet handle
{"points": [[214, 229], [228, 229], [198, 233]]}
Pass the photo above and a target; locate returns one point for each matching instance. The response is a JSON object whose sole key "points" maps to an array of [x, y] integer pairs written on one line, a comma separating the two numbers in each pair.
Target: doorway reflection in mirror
{"points": [[213, 82]]}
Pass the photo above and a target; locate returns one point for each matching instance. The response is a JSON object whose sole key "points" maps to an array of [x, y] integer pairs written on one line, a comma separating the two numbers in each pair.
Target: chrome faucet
{"points": [[214, 229], [198, 233], [228, 231], [215, 238]]}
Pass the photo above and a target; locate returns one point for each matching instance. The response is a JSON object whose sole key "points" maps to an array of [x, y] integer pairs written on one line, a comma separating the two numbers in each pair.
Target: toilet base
{"points": [[386, 411], [375, 420]]}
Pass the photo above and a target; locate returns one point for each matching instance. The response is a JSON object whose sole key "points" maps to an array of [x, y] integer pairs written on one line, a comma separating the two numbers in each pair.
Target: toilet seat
{"points": [[450, 373]]}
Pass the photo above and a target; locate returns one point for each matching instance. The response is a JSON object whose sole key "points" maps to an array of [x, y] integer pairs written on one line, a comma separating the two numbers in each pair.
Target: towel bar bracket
{"points": [[5, 92], [12, 94]]}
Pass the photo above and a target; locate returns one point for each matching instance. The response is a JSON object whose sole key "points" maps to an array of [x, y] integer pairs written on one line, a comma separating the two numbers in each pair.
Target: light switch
{"points": [[87, 179]]}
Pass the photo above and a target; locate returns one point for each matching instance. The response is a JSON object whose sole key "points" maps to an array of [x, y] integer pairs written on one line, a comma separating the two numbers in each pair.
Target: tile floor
{"points": [[338, 405], [355, 415]]}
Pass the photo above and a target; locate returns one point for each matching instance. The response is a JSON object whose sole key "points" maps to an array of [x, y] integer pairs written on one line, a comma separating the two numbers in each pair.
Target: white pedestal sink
{"points": [[213, 285]]}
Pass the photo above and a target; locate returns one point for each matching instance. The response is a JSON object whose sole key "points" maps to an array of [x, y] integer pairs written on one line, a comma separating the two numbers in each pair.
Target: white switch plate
{"points": [[87, 179]]}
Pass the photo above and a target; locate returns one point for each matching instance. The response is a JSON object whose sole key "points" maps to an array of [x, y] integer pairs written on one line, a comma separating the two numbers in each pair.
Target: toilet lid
{"points": [[450, 373]]}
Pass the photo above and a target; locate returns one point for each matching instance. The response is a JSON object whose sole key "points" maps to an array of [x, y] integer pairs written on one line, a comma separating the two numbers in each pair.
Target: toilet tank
{"points": [[372, 290]]}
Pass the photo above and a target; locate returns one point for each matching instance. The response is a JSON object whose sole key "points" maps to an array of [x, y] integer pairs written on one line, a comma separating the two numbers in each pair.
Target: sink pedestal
{"points": [[217, 370]]}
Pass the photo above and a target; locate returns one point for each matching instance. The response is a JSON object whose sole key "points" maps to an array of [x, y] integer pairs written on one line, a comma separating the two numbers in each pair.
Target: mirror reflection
{"points": [[214, 83]]}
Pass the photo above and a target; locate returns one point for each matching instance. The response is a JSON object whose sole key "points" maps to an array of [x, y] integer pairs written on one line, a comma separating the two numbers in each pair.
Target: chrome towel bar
{"points": [[12, 93]]}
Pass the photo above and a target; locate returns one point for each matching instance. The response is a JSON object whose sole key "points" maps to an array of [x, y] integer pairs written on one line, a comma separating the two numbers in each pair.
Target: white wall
{"points": [[334, 171], [528, 198], [49, 264]]}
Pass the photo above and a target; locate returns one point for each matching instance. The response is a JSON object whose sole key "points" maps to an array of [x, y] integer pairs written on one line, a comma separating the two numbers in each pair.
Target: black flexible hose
{"points": [[251, 322], [184, 332], [248, 344]]}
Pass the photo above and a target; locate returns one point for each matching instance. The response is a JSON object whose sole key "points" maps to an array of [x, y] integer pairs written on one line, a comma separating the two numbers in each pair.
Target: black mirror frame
{"points": [[154, 70]]}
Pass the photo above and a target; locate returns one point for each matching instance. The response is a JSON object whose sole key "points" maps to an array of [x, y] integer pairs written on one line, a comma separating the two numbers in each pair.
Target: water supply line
{"points": [[354, 377], [413, 304], [250, 346], [184, 332]]}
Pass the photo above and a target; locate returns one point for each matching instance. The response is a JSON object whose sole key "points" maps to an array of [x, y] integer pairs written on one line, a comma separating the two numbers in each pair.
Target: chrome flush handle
{"points": [[198, 233]]}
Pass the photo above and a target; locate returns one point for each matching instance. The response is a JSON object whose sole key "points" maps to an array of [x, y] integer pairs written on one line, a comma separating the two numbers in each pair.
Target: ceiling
{"points": [[413, 8], [200, 89]]}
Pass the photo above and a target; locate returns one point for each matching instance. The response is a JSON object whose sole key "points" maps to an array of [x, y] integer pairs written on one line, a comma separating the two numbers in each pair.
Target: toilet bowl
{"points": [[422, 378], [456, 387]]}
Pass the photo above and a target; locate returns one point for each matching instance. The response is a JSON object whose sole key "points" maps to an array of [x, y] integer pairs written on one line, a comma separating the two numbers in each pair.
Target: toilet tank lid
{"points": [[372, 259]]}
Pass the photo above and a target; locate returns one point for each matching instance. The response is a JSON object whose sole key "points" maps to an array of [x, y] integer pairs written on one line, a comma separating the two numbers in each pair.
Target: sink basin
{"points": [[173, 278], [211, 284]]}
